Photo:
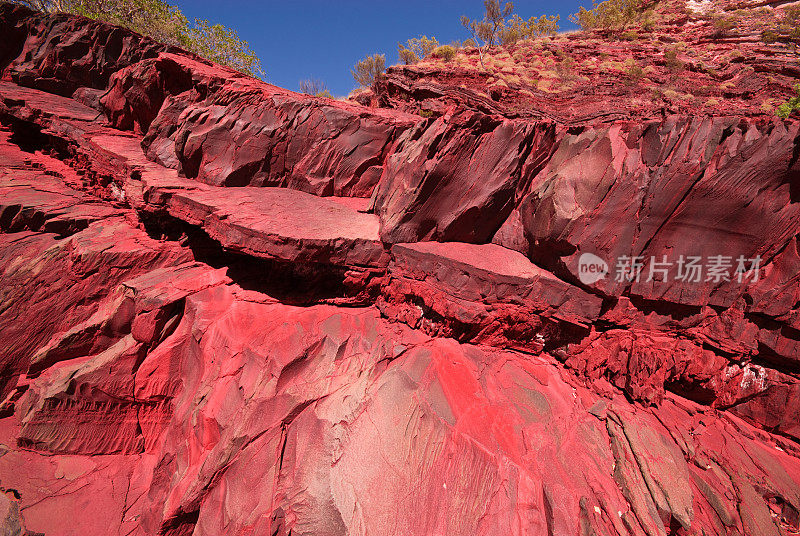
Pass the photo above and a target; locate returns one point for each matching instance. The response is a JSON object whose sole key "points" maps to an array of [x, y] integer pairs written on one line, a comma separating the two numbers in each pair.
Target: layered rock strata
{"points": [[227, 308]]}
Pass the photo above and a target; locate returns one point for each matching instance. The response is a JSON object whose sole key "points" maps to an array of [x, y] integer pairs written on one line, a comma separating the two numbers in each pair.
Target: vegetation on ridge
{"points": [[493, 29], [416, 49], [487, 30], [366, 71], [688, 56], [612, 15], [793, 105], [316, 87], [164, 23]]}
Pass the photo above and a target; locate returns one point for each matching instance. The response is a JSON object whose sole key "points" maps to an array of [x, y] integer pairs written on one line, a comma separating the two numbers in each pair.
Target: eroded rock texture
{"points": [[226, 308]]}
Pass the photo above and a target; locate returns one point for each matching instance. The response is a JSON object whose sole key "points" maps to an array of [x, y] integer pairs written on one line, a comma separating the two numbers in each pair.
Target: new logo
{"points": [[591, 269]]}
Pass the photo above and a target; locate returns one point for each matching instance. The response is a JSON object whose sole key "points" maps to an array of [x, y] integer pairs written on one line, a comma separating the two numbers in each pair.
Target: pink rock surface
{"points": [[94, 250], [265, 222], [225, 129], [274, 222], [710, 186], [331, 406], [483, 293], [190, 345], [455, 178], [60, 53]]}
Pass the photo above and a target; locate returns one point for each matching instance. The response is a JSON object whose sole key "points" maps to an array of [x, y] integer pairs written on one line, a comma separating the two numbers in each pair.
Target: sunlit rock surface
{"points": [[226, 308]]}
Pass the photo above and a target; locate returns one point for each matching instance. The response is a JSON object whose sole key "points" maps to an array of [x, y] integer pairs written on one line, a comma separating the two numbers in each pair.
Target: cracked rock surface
{"points": [[226, 308]]}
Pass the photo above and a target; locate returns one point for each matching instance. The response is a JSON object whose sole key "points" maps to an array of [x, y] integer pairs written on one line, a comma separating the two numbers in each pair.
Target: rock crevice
{"points": [[227, 308]]}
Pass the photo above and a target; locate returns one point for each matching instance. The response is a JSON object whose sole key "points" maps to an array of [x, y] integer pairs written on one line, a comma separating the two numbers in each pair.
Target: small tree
{"points": [[366, 71], [516, 28], [544, 25], [314, 86], [416, 49], [406, 55], [488, 29], [609, 15]]}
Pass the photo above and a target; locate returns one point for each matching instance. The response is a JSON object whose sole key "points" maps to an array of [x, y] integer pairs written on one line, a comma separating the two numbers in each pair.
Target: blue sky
{"points": [[324, 39]]}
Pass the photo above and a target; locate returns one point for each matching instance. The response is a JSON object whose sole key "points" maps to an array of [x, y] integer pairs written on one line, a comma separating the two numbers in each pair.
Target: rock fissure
{"points": [[230, 308]]}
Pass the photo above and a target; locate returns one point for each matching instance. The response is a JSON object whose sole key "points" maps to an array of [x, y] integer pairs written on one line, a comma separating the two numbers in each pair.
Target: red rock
{"points": [[658, 212], [59, 53], [32, 199], [136, 94], [455, 178], [226, 129], [483, 293], [57, 491], [93, 396], [274, 222], [192, 346], [262, 222], [94, 250]]}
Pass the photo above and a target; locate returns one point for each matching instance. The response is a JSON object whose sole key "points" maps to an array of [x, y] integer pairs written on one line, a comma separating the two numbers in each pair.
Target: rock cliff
{"points": [[447, 306]]}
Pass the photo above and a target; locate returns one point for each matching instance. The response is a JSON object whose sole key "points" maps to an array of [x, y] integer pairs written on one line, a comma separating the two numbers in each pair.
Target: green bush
{"points": [[610, 15], [368, 70], [790, 24], [165, 23], [770, 36], [566, 68], [786, 29], [672, 61], [634, 73], [406, 55], [725, 25], [416, 49], [786, 109], [444, 52], [516, 29]]}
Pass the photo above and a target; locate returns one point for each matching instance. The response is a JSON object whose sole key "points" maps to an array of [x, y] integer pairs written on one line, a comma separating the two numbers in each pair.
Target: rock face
{"points": [[711, 56], [225, 129], [484, 293], [226, 308], [61, 53], [455, 179]]}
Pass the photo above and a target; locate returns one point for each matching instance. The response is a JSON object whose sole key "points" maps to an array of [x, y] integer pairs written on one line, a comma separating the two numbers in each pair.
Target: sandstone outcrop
{"points": [[226, 308]]}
